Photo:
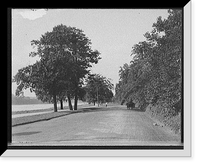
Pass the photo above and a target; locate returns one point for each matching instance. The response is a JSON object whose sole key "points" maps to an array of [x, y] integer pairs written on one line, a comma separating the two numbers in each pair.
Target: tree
{"points": [[98, 89], [65, 57]]}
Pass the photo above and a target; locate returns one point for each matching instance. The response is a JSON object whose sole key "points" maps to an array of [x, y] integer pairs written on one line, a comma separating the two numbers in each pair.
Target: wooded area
{"points": [[154, 76]]}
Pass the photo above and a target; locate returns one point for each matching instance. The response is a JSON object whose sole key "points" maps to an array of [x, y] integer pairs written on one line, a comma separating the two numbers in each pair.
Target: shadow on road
{"points": [[97, 109], [137, 110]]}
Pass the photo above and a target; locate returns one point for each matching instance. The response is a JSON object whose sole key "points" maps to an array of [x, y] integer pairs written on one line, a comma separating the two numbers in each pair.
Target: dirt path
{"points": [[96, 126]]}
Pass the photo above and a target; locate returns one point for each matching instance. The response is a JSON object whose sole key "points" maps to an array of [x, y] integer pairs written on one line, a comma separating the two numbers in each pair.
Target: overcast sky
{"points": [[113, 32]]}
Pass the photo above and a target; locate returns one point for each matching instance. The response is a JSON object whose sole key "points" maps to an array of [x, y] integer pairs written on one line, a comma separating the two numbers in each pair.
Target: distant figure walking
{"points": [[106, 104]]}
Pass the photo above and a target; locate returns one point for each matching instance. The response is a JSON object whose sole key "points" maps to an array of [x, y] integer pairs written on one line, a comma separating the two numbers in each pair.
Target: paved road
{"points": [[96, 126]]}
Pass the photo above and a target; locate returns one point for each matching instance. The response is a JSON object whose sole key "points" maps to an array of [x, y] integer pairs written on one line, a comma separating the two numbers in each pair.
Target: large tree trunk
{"points": [[69, 102], [55, 103], [76, 95], [75, 101], [61, 104]]}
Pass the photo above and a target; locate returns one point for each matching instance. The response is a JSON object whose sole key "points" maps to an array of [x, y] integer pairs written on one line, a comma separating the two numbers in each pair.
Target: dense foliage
{"points": [[98, 89], [154, 74]]}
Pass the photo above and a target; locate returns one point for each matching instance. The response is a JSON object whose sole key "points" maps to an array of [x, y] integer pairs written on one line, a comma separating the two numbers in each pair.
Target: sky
{"points": [[113, 32]]}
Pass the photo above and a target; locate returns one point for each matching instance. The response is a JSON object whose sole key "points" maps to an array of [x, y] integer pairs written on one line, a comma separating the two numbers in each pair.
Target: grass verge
{"points": [[39, 117]]}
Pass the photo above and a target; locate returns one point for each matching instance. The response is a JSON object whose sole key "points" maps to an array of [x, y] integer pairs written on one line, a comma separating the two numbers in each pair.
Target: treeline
{"points": [[24, 100], [154, 75], [65, 58], [98, 89]]}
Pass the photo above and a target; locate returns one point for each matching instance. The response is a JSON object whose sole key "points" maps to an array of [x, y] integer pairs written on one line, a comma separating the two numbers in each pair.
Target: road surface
{"points": [[96, 126]]}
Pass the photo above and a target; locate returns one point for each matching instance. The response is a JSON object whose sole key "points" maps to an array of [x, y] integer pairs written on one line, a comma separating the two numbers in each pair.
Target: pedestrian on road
{"points": [[106, 104]]}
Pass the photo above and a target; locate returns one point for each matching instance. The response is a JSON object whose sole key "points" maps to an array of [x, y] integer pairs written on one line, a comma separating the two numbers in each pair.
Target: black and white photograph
{"points": [[94, 79]]}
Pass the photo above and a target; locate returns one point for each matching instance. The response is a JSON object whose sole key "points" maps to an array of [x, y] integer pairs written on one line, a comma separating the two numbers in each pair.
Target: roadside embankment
{"points": [[165, 117]]}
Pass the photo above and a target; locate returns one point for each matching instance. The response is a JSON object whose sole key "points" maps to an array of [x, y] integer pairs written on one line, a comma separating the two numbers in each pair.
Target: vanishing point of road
{"points": [[113, 125]]}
